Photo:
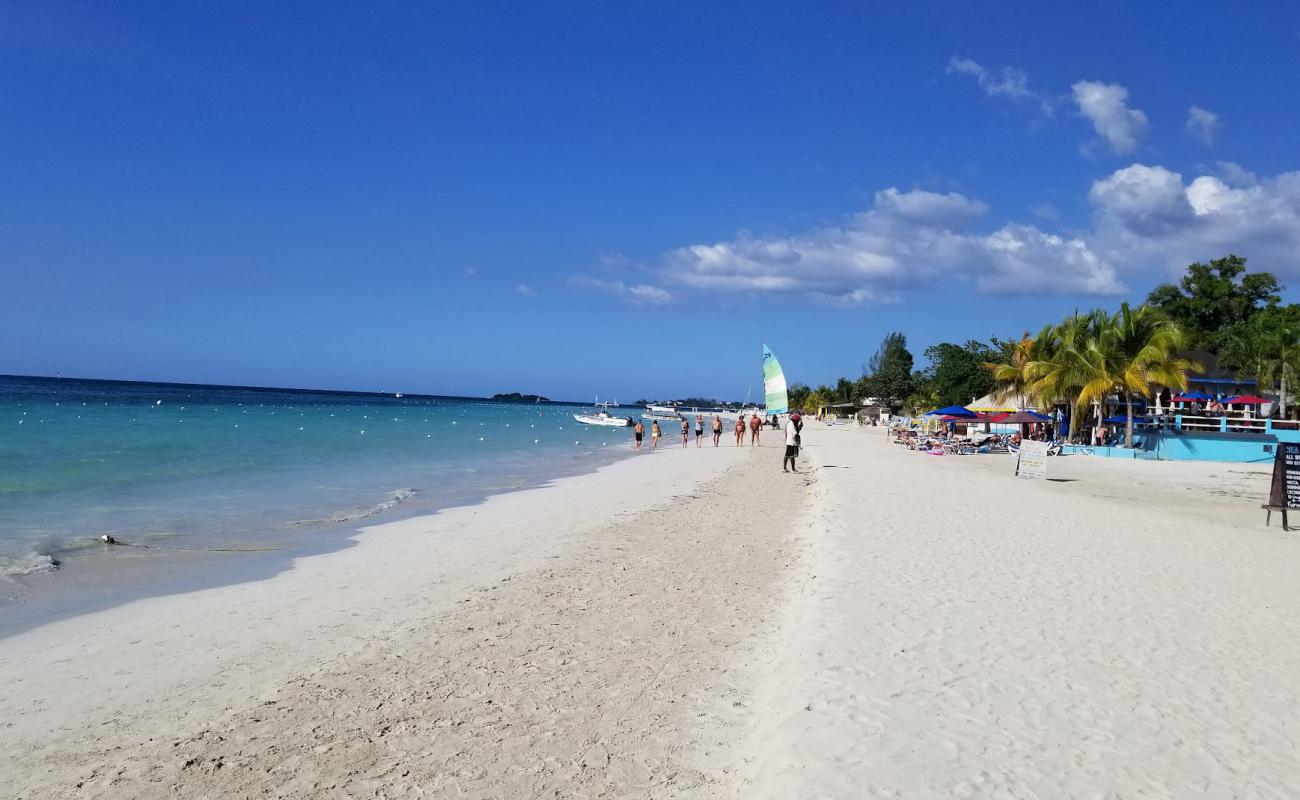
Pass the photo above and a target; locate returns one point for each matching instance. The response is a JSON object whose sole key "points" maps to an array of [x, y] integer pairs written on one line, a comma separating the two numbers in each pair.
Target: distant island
{"points": [[516, 397]]}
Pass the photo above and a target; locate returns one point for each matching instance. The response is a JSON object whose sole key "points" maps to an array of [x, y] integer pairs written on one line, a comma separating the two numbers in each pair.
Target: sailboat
{"points": [[774, 390]]}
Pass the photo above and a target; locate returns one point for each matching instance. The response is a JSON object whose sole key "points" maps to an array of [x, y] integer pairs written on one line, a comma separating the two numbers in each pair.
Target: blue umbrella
{"points": [[1196, 395], [951, 411], [1118, 420]]}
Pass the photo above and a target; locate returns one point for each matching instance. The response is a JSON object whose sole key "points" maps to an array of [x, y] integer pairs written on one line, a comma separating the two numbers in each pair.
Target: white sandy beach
{"points": [[697, 624]]}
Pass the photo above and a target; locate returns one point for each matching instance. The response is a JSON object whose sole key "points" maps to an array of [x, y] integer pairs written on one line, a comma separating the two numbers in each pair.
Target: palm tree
{"points": [[1139, 345], [1064, 365]]}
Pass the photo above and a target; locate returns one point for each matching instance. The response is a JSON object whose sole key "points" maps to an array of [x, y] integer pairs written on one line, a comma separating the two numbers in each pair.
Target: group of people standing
{"points": [[793, 427]]}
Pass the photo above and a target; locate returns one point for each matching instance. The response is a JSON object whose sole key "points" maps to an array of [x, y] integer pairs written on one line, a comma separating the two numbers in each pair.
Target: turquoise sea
{"points": [[203, 469]]}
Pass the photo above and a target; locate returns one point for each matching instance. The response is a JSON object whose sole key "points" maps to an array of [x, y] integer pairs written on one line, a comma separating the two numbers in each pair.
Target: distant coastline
{"points": [[511, 397]]}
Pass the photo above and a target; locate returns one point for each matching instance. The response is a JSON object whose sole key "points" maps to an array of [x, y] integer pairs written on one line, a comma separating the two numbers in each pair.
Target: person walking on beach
{"points": [[655, 433], [740, 430], [686, 432], [699, 430], [639, 431], [755, 427], [792, 427], [717, 430]]}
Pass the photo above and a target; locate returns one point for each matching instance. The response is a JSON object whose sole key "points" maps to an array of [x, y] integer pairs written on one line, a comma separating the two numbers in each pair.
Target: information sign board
{"points": [[1032, 460]]}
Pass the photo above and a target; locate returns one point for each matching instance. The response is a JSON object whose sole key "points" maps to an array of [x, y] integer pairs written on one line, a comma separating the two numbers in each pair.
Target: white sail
{"points": [[774, 394]]}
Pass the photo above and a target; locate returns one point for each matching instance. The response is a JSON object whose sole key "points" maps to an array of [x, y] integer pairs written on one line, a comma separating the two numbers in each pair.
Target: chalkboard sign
{"points": [[1285, 492]]}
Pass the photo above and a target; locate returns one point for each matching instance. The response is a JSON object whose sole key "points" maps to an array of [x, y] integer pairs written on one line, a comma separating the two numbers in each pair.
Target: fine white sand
{"points": [[695, 624], [1130, 630], [587, 638]]}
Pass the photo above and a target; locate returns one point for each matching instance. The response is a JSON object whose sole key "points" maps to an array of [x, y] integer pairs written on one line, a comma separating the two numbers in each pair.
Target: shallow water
{"points": [[196, 468]]}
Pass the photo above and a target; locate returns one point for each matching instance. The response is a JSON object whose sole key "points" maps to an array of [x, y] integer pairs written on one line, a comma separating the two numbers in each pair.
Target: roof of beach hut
{"points": [[990, 404]]}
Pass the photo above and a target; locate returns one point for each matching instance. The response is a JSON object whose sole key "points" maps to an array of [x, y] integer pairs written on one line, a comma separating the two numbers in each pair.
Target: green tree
{"points": [[1021, 362], [798, 394], [889, 372], [1212, 299], [956, 372], [1141, 345], [1125, 352], [1268, 349]]}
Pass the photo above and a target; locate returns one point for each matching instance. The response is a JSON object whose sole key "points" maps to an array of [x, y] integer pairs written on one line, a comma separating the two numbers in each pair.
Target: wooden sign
{"points": [[1284, 493], [1031, 462]]}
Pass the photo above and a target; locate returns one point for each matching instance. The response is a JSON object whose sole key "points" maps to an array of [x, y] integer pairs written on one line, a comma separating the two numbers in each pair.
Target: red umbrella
{"points": [[1245, 400]]}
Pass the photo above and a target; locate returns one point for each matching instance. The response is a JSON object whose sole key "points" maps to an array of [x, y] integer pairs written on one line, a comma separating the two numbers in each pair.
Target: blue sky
{"points": [[575, 199]]}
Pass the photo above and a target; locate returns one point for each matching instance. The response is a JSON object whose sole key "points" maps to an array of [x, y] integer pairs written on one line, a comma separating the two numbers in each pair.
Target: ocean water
{"points": [[216, 469]]}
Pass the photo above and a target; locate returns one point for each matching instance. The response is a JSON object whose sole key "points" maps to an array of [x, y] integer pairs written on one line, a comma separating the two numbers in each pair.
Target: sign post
{"points": [[1284, 493], [1031, 461]]}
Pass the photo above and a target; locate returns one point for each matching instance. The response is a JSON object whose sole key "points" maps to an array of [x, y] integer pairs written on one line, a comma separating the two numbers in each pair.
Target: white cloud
{"points": [[908, 239], [1149, 217], [468, 270], [1203, 124], [640, 294], [526, 290], [1148, 224], [1005, 82], [1105, 105]]}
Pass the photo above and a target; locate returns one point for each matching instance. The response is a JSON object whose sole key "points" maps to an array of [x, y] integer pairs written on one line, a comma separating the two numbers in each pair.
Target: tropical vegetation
{"points": [[1217, 311]]}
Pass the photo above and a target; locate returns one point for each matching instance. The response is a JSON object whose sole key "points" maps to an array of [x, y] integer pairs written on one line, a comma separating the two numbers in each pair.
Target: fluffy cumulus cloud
{"points": [[526, 290], [1151, 217], [906, 240], [639, 294], [1106, 107], [1203, 124]]}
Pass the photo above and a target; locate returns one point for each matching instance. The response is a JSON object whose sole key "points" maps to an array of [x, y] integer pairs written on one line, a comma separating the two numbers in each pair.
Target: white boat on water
{"points": [[662, 413], [601, 416]]}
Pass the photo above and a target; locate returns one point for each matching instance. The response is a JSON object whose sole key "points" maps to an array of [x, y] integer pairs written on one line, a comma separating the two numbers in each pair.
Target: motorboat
{"points": [[601, 416], [662, 413]]}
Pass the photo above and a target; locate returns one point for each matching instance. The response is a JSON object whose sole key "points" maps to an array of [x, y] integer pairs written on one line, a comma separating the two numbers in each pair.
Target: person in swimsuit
{"points": [[699, 430], [740, 431], [754, 428], [717, 430], [655, 433], [639, 430], [686, 432]]}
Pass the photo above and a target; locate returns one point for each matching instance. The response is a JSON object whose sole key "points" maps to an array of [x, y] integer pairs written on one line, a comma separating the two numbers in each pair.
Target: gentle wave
{"points": [[394, 500], [28, 564]]}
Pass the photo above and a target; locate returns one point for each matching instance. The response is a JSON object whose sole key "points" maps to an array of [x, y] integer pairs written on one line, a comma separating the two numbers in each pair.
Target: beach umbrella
{"points": [[1022, 418], [1122, 420], [1245, 400], [1191, 397], [952, 411]]}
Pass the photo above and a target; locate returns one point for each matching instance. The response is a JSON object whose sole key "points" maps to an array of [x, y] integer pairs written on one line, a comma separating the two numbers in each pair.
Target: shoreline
{"points": [[93, 578], [103, 687]]}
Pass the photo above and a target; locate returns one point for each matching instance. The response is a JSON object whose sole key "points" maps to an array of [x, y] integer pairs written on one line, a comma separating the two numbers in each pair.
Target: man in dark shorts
{"points": [[639, 430], [686, 432], [717, 430], [792, 428], [699, 429]]}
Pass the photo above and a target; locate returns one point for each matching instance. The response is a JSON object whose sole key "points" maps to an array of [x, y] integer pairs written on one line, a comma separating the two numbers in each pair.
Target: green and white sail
{"points": [[775, 397]]}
